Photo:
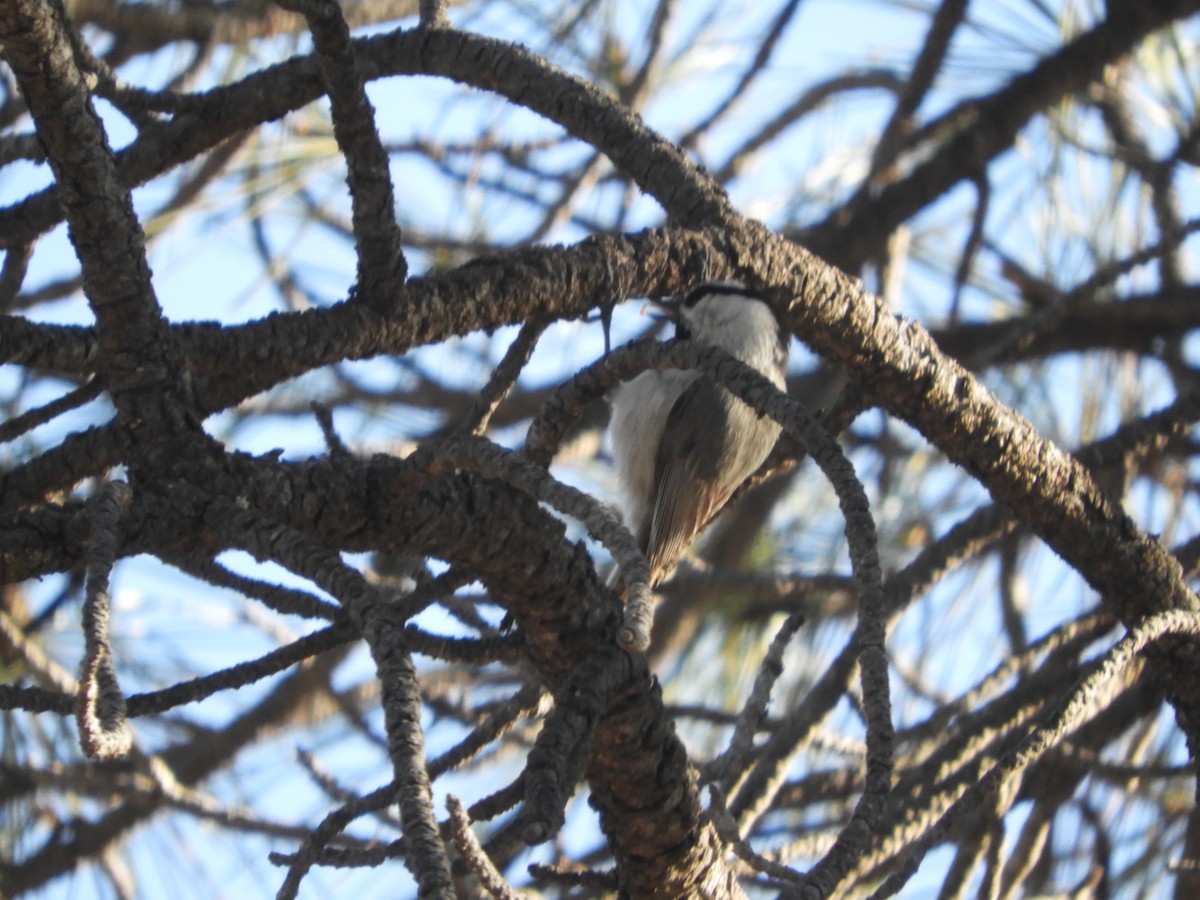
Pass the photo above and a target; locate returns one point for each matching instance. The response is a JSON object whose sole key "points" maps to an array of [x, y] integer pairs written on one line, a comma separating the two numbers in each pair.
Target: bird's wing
{"points": [[690, 455], [711, 443]]}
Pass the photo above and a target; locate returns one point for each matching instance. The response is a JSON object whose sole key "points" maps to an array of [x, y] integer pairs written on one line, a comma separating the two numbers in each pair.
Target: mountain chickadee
{"points": [[683, 445]]}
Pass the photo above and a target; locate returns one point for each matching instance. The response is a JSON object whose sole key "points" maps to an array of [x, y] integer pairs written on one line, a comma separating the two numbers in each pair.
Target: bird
{"points": [[682, 444]]}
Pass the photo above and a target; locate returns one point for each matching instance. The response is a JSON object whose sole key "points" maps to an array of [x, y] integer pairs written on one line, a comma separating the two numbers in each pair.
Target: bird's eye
{"points": [[695, 295]]}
